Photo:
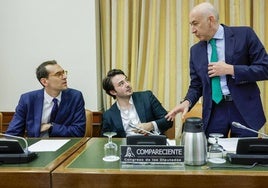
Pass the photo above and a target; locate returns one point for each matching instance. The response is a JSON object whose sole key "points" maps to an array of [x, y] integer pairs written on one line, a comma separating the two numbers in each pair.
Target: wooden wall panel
{"points": [[97, 119]]}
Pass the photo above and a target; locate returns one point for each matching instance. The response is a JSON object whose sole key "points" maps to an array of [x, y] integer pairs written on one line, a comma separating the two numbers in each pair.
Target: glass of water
{"points": [[216, 150], [110, 148]]}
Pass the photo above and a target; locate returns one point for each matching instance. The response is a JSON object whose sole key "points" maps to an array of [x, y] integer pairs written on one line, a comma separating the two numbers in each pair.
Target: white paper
{"points": [[229, 144], [47, 145]]}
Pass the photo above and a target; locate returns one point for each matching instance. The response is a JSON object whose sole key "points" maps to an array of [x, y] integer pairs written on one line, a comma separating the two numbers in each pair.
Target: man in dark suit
{"points": [[33, 115], [242, 61], [140, 109]]}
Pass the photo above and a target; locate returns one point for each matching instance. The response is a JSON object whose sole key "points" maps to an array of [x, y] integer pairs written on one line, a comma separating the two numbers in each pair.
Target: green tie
{"points": [[215, 81]]}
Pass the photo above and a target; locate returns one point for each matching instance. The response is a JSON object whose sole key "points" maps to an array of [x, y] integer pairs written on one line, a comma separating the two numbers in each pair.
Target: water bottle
{"points": [[194, 141]]}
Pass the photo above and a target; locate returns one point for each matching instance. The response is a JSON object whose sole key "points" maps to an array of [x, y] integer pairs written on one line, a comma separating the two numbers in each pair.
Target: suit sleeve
{"points": [[112, 122], [17, 125], [159, 113], [196, 86], [250, 65], [106, 126]]}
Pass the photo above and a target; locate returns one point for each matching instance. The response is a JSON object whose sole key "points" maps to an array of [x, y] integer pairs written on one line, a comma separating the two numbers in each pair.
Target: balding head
{"points": [[206, 9], [204, 21]]}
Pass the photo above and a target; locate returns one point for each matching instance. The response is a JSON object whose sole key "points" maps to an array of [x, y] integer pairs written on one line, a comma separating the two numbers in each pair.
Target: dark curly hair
{"points": [[107, 84]]}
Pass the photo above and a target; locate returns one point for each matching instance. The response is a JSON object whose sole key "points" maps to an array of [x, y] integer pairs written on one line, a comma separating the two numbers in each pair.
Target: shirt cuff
{"points": [[156, 130]]}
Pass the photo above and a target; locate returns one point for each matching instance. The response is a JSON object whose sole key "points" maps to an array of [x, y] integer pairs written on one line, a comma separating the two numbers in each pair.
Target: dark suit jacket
{"points": [[70, 120], [244, 50], [148, 108]]}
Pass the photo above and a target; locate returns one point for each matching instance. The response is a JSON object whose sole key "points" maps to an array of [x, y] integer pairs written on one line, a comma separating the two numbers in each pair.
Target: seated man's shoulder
{"points": [[108, 114], [112, 108], [32, 93], [72, 91], [147, 92], [146, 95]]}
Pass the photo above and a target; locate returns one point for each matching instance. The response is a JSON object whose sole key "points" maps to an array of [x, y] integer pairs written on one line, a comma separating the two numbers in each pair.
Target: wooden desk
{"points": [[86, 169], [37, 173]]}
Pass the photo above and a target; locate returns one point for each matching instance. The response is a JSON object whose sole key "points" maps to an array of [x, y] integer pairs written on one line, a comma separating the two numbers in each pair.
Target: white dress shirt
{"points": [[47, 106], [130, 116], [220, 43]]}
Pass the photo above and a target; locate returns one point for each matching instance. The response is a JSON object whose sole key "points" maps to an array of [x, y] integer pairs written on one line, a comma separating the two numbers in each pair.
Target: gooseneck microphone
{"points": [[11, 151], [240, 126], [17, 137]]}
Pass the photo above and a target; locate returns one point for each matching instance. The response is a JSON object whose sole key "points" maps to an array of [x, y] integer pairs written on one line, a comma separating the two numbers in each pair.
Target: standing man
{"points": [[232, 59], [140, 109], [54, 111]]}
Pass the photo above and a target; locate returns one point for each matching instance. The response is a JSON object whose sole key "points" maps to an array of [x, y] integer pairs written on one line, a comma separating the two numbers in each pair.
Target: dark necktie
{"points": [[54, 110], [215, 81]]}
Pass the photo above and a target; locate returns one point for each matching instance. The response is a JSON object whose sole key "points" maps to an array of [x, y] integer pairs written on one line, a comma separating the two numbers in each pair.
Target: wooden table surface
{"points": [[37, 173], [85, 168]]}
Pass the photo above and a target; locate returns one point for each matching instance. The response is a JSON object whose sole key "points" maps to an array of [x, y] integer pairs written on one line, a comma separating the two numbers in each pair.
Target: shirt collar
{"points": [[130, 102], [49, 99], [220, 33]]}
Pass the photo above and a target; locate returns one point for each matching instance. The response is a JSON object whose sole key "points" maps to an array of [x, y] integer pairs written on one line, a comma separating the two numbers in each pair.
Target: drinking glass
{"points": [[216, 150], [110, 148]]}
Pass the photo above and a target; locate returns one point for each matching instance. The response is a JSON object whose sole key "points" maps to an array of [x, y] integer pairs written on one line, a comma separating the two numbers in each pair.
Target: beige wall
{"points": [[33, 31]]}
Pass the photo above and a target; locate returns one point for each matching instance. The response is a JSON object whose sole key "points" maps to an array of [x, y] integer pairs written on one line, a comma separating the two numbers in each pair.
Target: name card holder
{"points": [[151, 155]]}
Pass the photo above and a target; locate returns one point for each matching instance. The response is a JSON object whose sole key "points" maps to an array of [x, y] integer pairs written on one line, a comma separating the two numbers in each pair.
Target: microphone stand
{"points": [[238, 125], [17, 137]]}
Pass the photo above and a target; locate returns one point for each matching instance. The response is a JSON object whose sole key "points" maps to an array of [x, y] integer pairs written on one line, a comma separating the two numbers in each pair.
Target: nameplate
{"points": [[151, 154]]}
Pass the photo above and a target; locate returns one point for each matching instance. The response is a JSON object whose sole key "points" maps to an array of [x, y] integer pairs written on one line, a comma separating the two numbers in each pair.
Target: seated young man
{"points": [[139, 109]]}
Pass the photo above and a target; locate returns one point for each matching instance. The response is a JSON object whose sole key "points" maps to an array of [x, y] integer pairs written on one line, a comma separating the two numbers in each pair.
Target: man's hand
{"points": [[183, 107], [220, 68], [45, 127], [145, 126]]}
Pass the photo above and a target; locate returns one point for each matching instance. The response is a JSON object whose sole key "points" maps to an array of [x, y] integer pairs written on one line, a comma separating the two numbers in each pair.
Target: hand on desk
{"points": [[145, 126]]}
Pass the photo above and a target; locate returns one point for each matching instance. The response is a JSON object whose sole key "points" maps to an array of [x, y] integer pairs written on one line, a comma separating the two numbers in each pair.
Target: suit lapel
{"points": [[139, 107], [229, 44], [203, 59], [63, 106], [116, 116]]}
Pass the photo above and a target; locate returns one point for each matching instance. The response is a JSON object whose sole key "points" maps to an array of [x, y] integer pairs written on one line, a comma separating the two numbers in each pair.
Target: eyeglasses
{"points": [[60, 74]]}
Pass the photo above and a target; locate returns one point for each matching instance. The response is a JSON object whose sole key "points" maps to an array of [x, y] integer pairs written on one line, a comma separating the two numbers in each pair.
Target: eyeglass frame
{"points": [[60, 74]]}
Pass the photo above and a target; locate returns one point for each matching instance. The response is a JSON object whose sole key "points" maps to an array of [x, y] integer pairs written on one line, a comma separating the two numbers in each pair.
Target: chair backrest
{"points": [[89, 122], [1, 122], [196, 111], [170, 133]]}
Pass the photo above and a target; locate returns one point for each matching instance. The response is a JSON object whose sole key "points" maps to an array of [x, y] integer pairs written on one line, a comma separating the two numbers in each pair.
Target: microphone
{"points": [[240, 126], [17, 137], [11, 152]]}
